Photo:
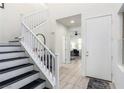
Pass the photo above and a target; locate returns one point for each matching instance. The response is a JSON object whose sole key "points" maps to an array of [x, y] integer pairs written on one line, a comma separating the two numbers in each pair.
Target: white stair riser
{"points": [[41, 86], [3, 49], [15, 43], [23, 82], [14, 73], [12, 55], [4, 65]]}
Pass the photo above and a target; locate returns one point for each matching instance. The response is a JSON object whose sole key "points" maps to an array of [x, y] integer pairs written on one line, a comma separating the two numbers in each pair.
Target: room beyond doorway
{"points": [[70, 29], [71, 51]]}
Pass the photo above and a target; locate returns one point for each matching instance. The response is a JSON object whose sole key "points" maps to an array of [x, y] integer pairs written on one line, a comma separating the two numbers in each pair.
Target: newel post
{"points": [[57, 71]]}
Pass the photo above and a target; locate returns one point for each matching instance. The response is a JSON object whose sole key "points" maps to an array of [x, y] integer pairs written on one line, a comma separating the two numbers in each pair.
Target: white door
{"points": [[64, 49], [98, 56], [67, 48]]}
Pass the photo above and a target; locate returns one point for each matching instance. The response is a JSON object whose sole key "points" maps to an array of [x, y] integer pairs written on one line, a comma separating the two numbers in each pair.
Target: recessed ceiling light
{"points": [[72, 21]]}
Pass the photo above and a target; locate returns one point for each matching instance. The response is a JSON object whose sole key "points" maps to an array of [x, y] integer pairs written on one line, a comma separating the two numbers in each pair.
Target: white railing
{"points": [[40, 53]]}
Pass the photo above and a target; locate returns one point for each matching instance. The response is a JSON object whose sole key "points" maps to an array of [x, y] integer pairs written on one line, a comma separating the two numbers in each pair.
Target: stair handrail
{"points": [[45, 56], [38, 39]]}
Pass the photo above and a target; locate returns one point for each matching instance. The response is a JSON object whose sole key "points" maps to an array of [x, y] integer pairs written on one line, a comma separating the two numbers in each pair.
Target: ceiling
{"points": [[66, 21]]}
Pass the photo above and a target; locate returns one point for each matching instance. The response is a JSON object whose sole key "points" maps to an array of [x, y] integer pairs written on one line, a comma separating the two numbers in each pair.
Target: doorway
{"points": [[70, 67]]}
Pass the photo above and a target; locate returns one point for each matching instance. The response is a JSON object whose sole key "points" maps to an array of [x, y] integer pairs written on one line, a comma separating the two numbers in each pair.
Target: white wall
{"points": [[92, 10], [45, 30], [60, 46], [10, 19], [118, 68]]}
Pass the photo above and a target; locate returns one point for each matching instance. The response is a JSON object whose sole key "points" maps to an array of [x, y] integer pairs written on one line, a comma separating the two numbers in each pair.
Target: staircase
{"points": [[29, 63], [16, 70]]}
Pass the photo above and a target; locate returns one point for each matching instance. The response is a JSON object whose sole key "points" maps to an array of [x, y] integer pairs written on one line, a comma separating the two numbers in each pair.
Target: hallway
{"points": [[70, 76]]}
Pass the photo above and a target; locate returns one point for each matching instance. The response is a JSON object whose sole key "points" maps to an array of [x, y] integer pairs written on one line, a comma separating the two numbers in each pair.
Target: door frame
{"points": [[85, 41]]}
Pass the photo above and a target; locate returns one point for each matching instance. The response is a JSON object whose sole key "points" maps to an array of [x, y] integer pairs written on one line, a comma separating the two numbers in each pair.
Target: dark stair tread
{"points": [[17, 78], [11, 59], [14, 68], [14, 41], [45, 88], [10, 45], [33, 84], [11, 52]]}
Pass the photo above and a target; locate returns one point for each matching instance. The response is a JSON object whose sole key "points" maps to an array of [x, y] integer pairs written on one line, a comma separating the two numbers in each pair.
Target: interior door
{"points": [[67, 49], [98, 54], [64, 49]]}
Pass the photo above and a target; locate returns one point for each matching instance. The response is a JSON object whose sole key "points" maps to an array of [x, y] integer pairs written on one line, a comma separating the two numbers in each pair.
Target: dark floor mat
{"points": [[95, 83]]}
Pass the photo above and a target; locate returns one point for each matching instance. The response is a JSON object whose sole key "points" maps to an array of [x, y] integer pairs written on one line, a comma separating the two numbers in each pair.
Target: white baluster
{"points": [[24, 34], [31, 43], [46, 59], [28, 38], [53, 66], [38, 50], [57, 71], [41, 54], [49, 63], [32, 22]]}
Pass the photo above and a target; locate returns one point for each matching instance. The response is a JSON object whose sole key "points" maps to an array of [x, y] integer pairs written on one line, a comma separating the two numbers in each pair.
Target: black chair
{"points": [[75, 52]]}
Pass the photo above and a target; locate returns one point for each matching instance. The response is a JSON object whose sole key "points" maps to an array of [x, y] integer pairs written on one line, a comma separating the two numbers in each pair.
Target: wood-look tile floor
{"points": [[70, 76]]}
